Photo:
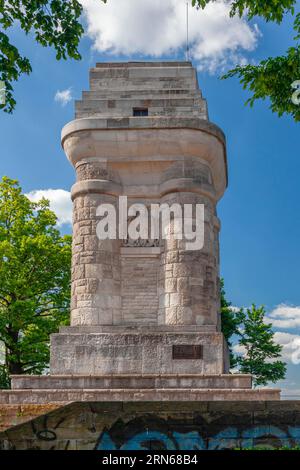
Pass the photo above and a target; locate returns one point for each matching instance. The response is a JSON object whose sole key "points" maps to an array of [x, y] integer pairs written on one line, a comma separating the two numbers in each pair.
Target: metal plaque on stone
{"points": [[187, 351]]}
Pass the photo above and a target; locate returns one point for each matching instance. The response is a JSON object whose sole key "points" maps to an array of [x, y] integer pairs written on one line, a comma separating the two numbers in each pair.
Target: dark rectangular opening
{"points": [[187, 351], [138, 112]]}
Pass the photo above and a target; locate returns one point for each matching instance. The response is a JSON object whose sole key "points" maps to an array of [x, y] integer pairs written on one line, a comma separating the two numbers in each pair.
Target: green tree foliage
{"points": [[273, 77], [270, 10], [53, 23], [249, 329], [261, 358], [231, 320], [4, 377], [34, 280]]}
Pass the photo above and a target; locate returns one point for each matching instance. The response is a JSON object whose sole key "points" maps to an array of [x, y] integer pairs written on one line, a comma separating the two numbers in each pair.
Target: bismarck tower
{"points": [[144, 308], [145, 316]]}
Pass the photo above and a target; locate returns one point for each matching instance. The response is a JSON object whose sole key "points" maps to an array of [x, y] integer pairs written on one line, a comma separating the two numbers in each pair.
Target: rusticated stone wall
{"points": [[170, 155], [160, 426], [95, 267]]}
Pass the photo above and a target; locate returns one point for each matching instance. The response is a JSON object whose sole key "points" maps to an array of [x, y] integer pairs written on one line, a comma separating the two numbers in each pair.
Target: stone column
{"points": [[96, 298], [189, 282]]}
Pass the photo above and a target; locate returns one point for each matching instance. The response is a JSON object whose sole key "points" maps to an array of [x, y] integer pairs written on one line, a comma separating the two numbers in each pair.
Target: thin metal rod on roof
{"points": [[187, 33]]}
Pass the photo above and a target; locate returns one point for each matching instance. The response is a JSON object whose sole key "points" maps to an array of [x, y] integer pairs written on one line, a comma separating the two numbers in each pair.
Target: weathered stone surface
{"points": [[141, 394], [159, 425], [135, 303], [13, 415], [134, 352], [167, 381], [173, 155]]}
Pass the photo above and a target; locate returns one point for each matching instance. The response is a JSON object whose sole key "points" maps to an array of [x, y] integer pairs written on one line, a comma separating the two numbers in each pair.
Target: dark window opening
{"points": [[140, 112]]}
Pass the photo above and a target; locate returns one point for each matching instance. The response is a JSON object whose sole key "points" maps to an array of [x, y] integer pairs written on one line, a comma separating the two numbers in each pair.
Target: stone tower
{"points": [[145, 316], [143, 131]]}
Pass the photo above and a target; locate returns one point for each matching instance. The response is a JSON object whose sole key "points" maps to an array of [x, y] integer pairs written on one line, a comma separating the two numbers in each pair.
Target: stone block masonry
{"points": [[160, 426], [139, 299], [145, 315], [169, 154], [14, 415]]}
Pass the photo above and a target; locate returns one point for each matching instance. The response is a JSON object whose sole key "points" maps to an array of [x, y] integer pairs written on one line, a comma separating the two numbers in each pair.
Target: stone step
{"points": [[129, 103], [133, 381], [123, 85], [136, 395], [137, 329], [138, 73], [117, 113], [130, 64], [132, 94]]}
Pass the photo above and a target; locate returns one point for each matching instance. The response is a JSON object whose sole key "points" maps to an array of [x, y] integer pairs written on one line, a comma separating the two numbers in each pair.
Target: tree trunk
{"points": [[15, 368]]}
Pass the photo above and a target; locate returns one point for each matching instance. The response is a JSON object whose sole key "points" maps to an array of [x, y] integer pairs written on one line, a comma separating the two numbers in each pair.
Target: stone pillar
{"points": [[96, 298], [189, 279]]}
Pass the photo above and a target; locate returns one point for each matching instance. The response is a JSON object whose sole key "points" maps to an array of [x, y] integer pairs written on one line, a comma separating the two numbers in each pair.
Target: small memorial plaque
{"points": [[187, 351]]}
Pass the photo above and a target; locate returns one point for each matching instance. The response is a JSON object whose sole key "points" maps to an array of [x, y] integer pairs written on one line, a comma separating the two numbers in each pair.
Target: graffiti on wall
{"points": [[43, 431], [86, 427], [154, 433]]}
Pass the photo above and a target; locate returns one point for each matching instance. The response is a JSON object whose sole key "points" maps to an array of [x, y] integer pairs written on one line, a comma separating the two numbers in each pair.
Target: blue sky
{"points": [[260, 253]]}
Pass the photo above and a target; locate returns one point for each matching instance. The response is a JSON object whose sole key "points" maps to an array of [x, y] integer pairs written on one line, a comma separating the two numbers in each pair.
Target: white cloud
{"points": [[156, 28], [234, 309], [239, 349], [60, 203], [290, 346], [285, 316], [64, 96]]}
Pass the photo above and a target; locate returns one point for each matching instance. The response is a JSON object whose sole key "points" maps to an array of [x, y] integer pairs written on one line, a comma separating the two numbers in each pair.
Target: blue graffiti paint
{"points": [[105, 443], [294, 432], [257, 432], [226, 439], [189, 441], [295, 435], [141, 441], [230, 437]]}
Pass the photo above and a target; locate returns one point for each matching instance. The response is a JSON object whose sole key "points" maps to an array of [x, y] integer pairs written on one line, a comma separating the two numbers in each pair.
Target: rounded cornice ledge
{"points": [[150, 122], [110, 188], [147, 139]]}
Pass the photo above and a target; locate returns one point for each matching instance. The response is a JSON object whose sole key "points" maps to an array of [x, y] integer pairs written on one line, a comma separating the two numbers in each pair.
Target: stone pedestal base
{"points": [[131, 382], [145, 364], [67, 395], [137, 388], [125, 350]]}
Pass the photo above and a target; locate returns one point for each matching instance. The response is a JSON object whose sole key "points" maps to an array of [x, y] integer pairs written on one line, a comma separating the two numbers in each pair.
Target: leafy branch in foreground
{"points": [[53, 23], [273, 77], [271, 10]]}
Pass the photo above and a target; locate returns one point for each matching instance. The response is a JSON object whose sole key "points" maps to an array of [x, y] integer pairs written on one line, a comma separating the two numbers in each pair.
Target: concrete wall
{"points": [[159, 426], [13, 415]]}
